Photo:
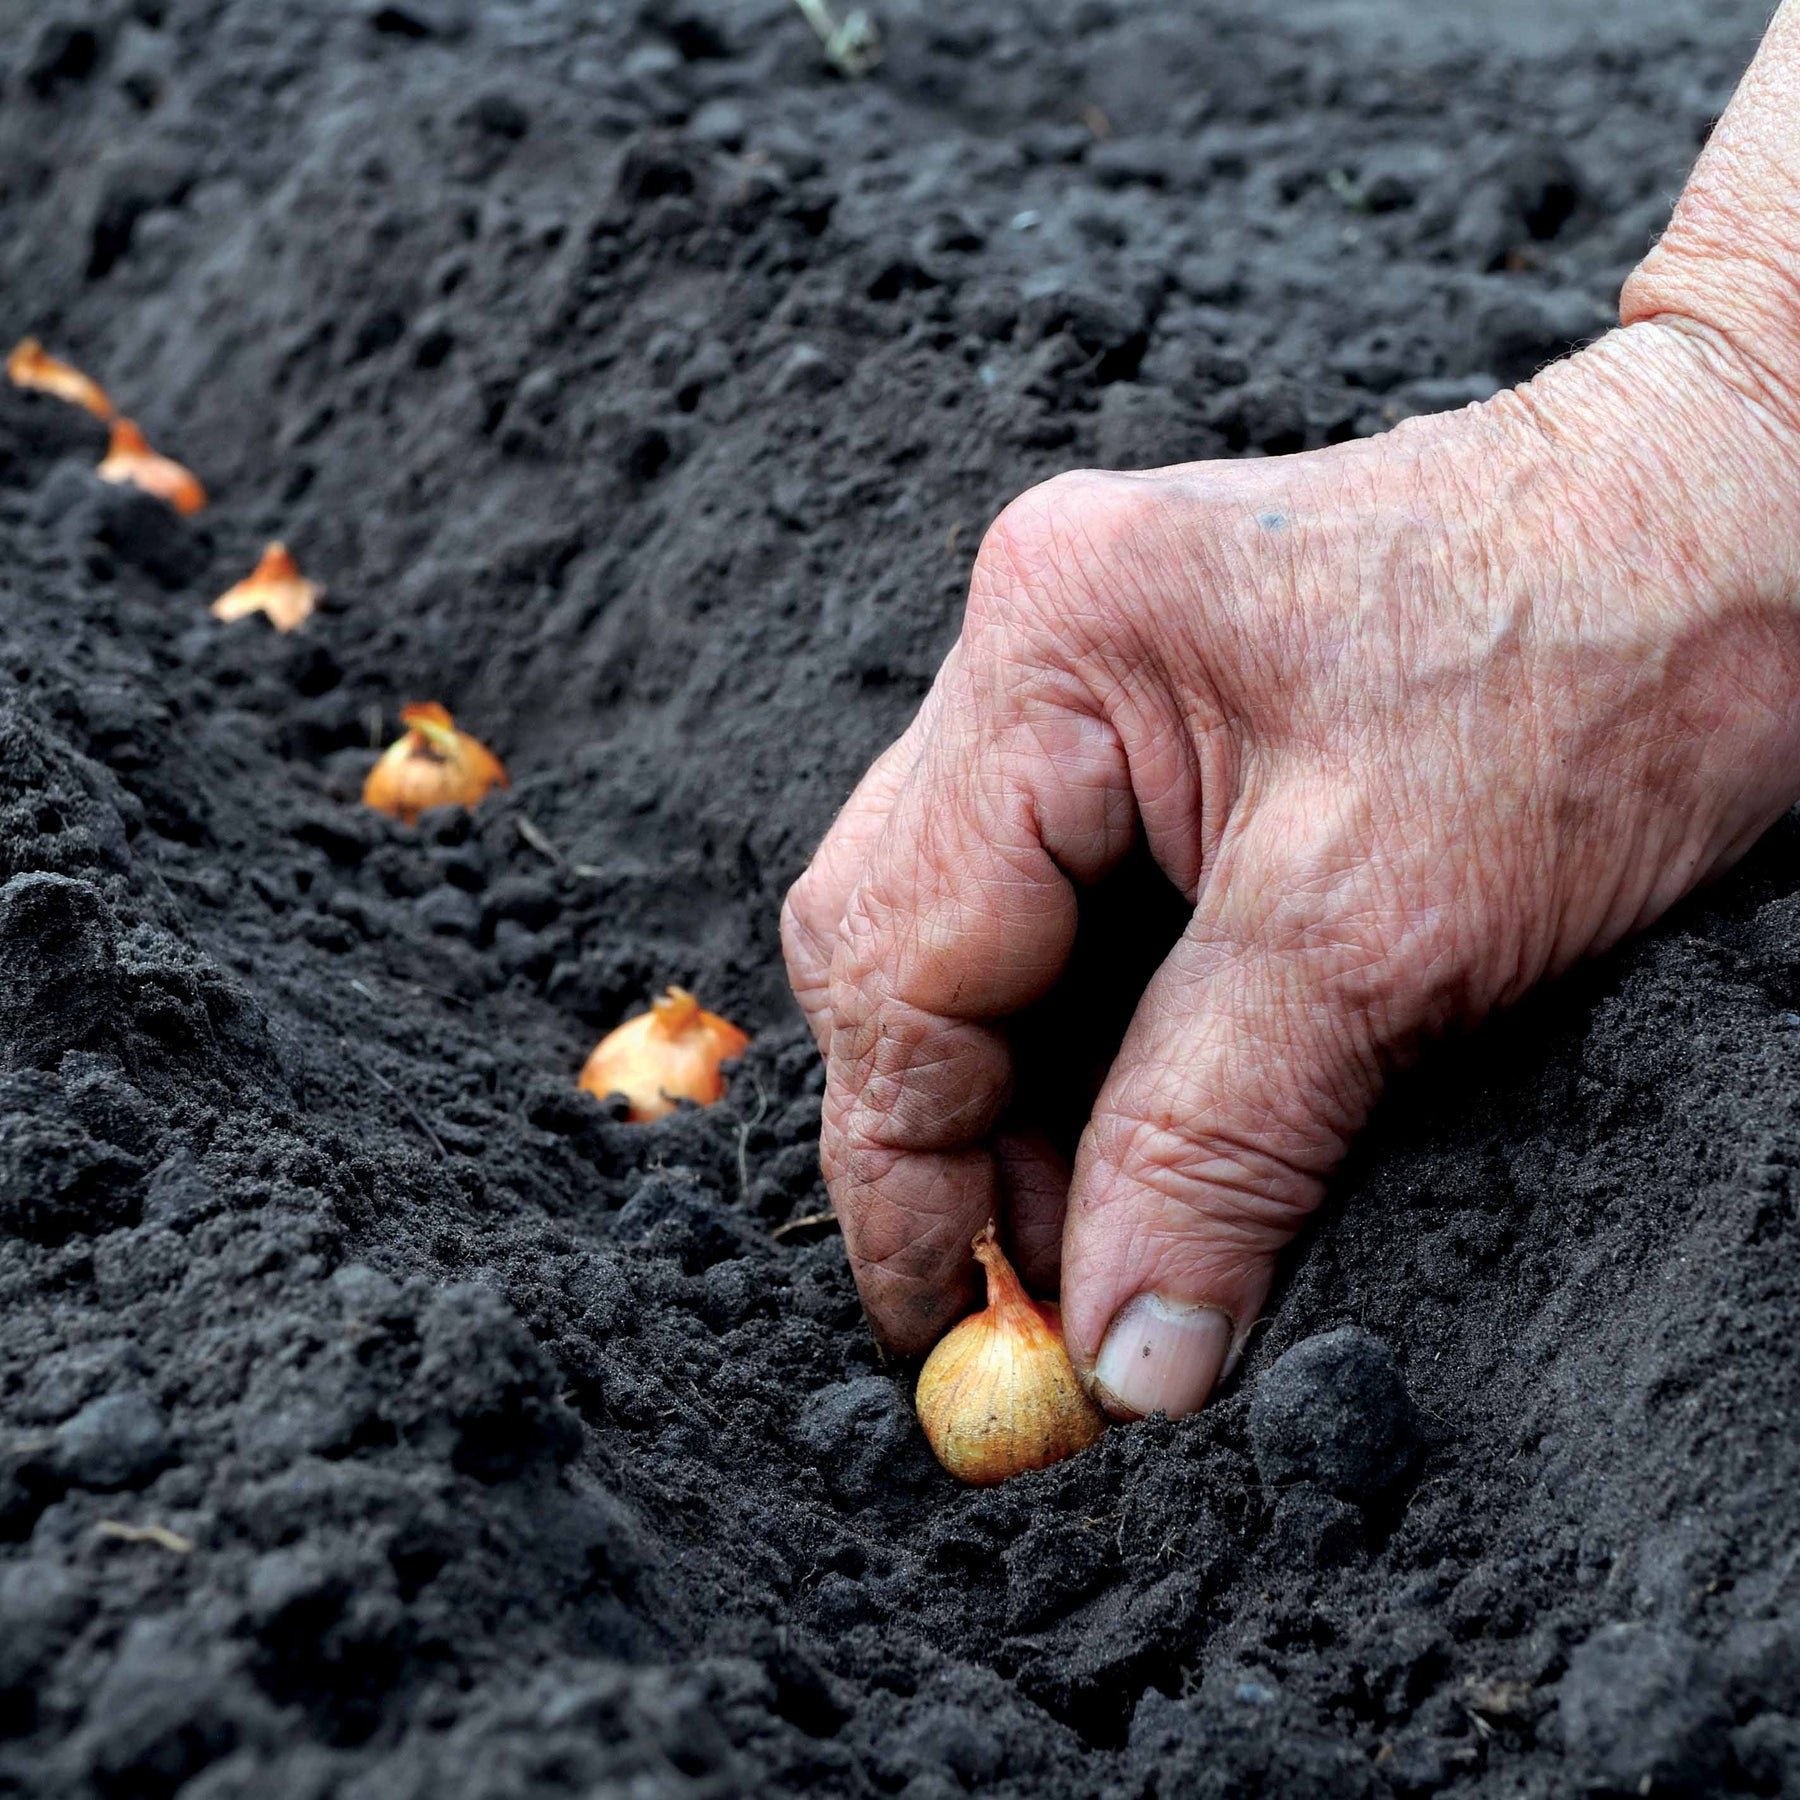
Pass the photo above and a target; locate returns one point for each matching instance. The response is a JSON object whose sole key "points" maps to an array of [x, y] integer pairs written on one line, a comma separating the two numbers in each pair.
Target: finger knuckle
{"points": [[1046, 526], [860, 1173], [1374, 914], [803, 906], [869, 938], [797, 931], [1335, 891], [927, 1085], [804, 946], [1068, 531], [900, 1208], [1220, 1183]]}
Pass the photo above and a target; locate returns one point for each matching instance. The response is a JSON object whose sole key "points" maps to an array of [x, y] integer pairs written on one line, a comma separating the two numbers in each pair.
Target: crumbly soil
{"points": [[641, 389]]}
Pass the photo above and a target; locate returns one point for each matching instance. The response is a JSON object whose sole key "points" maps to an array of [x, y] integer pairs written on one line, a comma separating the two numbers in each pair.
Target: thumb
{"points": [[1237, 1089]]}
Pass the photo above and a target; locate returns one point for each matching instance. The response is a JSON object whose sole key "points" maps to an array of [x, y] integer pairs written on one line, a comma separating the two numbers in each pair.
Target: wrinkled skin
{"points": [[1412, 724]]}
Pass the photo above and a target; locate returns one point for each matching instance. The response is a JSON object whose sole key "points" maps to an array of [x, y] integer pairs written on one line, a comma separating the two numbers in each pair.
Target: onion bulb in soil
{"points": [[431, 764], [999, 1395], [132, 462], [672, 1052], [275, 589], [32, 366]]}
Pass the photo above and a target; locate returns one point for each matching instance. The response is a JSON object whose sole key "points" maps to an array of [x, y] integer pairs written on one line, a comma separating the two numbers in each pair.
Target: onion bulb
{"points": [[276, 589], [672, 1052], [431, 764], [999, 1395], [32, 366], [131, 461]]}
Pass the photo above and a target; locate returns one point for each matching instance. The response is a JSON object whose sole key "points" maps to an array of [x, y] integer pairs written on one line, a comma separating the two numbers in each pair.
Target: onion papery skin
{"points": [[131, 462], [31, 366], [432, 764], [276, 589], [675, 1051], [999, 1396]]}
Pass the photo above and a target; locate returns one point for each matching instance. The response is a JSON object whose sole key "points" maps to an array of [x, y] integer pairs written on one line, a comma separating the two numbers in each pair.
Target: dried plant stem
{"points": [[852, 46]]}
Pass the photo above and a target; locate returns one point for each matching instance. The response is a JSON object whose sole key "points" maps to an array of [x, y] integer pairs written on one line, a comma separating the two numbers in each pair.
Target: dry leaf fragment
{"points": [[132, 462], [811, 1221], [276, 589], [160, 1535], [432, 764], [32, 366]]}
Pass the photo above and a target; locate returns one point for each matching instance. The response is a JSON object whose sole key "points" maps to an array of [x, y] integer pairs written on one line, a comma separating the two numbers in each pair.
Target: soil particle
{"points": [[62, 49], [1768, 1752], [641, 390], [1643, 1711], [1334, 1410], [1314, 1528], [865, 1440], [118, 1441], [163, 1712], [60, 975]]}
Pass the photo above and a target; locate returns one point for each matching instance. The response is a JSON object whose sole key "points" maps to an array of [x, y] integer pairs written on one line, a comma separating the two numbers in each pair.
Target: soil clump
{"points": [[380, 1416]]}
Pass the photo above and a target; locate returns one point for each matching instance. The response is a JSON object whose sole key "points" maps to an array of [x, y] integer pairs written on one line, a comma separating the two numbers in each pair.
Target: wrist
{"points": [[1661, 488], [1727, 269], [1737, 310], [1665, 475]]}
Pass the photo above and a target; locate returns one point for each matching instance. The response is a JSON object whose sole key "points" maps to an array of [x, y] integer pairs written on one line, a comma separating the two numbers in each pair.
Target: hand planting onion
{"points": [[276, 589], [673, 1052], [132, 462], [431, 764], [32, 366], [999, 1395]]}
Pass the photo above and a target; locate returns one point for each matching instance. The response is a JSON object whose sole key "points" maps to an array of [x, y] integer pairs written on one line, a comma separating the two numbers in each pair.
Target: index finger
{"points": [[812, 915], [965, 913]]}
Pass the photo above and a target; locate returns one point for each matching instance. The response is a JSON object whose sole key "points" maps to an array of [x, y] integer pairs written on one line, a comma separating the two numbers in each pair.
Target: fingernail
{"points": [[1161, 1356]]}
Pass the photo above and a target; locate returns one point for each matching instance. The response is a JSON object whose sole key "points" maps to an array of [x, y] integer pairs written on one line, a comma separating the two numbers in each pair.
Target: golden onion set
{"points": [[431, 764], [998, 1396], [672, 1053], [275, 588]]}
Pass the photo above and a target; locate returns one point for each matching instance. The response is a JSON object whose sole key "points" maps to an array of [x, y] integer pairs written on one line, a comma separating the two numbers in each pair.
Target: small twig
{"points": [[160, 1535], [1787, 1569], [853, 47], [804, 1223], [745, 1127], [420, 988], [387, 1087], [425, 987], [541, 841]]}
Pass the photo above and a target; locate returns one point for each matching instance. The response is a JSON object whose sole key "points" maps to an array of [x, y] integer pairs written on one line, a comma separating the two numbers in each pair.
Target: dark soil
{"points": [[641, 390]]}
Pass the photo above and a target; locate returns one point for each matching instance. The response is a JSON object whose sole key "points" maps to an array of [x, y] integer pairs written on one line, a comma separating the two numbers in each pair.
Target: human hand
{"points": [[1411, 723]]}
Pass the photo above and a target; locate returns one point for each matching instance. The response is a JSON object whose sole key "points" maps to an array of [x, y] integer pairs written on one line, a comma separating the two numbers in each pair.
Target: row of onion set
{"points": [[275, 587], [431, 763], [998, 1395], [129, 460], [673, 1052]]}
